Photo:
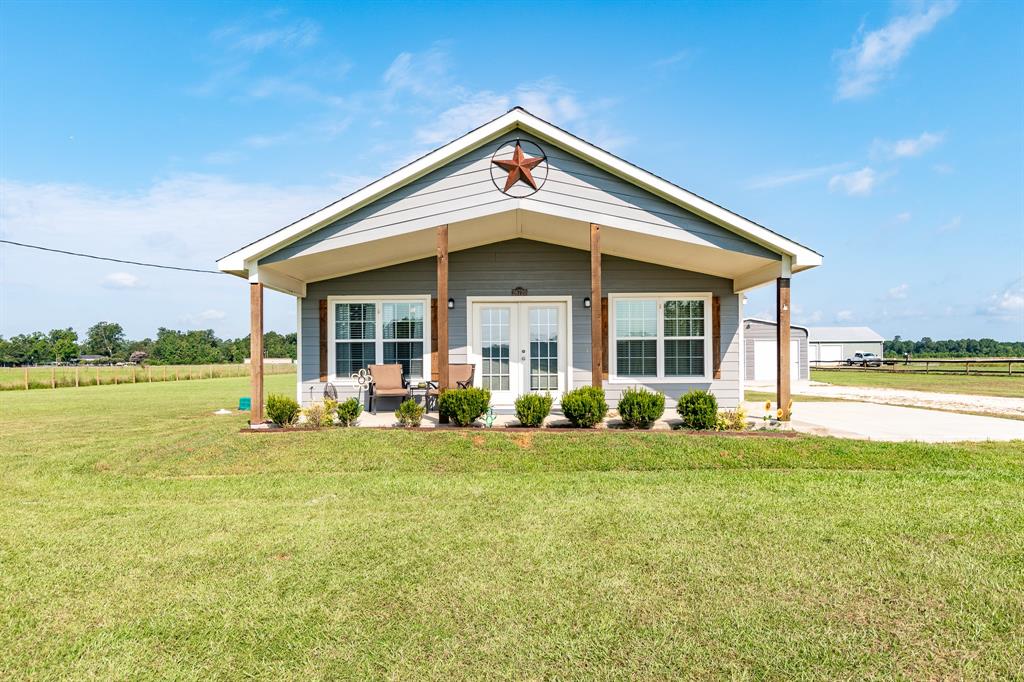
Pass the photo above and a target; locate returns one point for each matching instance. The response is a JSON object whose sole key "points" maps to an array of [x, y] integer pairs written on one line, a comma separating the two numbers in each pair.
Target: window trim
{"points": [[659, 298], [378, 301]]}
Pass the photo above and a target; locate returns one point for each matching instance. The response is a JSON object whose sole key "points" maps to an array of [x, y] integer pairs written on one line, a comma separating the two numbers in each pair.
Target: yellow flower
{"points": [[779, 413], [767, 404]]}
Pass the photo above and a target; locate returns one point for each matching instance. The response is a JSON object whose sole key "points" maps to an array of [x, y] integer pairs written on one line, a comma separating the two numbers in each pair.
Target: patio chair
{"points": [[459, 376], [387, 383]]}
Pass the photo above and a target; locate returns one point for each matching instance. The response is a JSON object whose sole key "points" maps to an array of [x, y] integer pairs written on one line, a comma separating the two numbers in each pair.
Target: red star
{"points": [[519, 167]]}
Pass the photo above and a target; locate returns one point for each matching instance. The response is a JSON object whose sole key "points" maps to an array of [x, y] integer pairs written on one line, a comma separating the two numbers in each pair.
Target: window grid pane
{"points": [[353, 321], [402, 320], [407, 353], [636, 358], [636, 319], [684, 358], [684, 318], [350, 357], [495, 370]]}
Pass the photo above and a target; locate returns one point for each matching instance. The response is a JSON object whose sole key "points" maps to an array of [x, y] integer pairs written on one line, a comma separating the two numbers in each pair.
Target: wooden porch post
{"points": [[256, 350], [596, 338], [442, 307], [782, 305]]}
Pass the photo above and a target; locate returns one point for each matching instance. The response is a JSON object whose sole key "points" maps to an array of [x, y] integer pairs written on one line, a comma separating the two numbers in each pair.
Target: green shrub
{"points": [[585, 406], [316, 416], [463, 406], [409, 413], [699, 410], [532, 408], [281, 409], [640, 408], [348, 411], [732, 420]]}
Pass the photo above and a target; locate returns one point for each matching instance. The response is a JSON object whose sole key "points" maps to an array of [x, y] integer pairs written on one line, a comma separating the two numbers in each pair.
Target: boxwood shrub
{"points": [[585, 406], [463, 406], [640, 408], [348, 411], [409, 413], [532, 408], [282, 410], [699, 410]]}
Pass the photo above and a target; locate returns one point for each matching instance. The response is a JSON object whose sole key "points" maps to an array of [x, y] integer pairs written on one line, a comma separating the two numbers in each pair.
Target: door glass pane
{"points": [[495, 347], [684, 358], [543, 349]]}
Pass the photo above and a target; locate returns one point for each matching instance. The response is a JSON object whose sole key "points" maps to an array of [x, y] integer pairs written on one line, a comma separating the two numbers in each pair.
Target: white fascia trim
{"points": [[277, 281], [803, 257]]}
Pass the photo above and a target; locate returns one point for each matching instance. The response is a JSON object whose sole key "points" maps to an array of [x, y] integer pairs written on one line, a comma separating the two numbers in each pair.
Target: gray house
{"points": [[542, 260], [836, 344], [760, 351]]}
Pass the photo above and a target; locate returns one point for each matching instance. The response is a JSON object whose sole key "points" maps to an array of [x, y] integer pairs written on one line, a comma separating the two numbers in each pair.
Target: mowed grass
{"points": [[993, 385], [142, 537]]}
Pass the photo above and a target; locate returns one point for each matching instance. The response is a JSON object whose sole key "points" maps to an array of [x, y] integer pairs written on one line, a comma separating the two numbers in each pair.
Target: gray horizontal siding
{"points": [[755, 330], [465, 184], [544, 270]]}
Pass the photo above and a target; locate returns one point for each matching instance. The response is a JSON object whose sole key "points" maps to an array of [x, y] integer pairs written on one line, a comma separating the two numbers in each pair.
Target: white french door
{"points": [[520, 347]]}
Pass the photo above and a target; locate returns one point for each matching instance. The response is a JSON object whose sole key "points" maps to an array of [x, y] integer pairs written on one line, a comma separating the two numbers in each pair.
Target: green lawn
{"points": [[1008, 386], [143, 537]]}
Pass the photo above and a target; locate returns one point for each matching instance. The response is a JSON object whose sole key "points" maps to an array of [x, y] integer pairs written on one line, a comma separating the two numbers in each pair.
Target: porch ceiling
{"points": [[664, 246]]}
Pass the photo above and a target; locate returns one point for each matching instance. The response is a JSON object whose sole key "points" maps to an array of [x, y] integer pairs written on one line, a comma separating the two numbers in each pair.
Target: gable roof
{"points": [[837, 334], [240, 261]]}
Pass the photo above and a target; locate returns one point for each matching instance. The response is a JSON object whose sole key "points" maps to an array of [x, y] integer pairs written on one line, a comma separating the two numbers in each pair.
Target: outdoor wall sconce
{"points": [[586, 301], [451, 304]]}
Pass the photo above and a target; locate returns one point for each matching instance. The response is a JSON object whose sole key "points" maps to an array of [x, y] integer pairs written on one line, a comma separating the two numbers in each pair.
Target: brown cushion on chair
{"points": [[385, 392], [386, 377], [460, 374]]}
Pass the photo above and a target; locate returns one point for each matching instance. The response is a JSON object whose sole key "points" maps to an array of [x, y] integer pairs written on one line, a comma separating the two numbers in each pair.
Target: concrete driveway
{"points": [[870, 421]]}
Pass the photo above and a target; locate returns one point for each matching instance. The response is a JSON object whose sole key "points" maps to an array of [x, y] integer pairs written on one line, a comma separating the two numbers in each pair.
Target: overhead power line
{"points": [[112, 260]]}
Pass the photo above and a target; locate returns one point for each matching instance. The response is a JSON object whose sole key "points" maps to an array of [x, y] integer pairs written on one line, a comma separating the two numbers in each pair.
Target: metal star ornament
{"points": [[519, 167]]}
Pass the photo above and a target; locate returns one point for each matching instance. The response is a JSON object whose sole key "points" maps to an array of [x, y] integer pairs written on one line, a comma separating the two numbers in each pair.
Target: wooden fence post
{"points": [[26, 377], [97, 375], [133, 375], [53, 376], [76, 378]]}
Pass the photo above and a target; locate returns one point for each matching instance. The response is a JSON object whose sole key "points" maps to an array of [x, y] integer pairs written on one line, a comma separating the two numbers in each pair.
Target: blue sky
{"points": [[889, 137]]}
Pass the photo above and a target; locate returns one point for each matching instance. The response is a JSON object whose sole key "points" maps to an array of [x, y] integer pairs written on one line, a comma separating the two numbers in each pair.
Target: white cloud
{"points": [[874, 56], [463, 117], [1007, 304], [903, 217], [783, 178], [677, 58], [299, 34], [121, 280], [844, 315], [423, 73], [898, 292], [854, 183], [951, 225], [204, 318], [912, 146], [943, 168]]}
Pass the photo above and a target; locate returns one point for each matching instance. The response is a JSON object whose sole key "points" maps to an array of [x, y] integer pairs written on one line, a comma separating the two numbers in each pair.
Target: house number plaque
{"points": [[520, 291]]}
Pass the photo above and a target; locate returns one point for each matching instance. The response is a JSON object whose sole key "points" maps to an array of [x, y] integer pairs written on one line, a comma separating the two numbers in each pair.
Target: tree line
{"points": [[954, 348], [108, 340]]}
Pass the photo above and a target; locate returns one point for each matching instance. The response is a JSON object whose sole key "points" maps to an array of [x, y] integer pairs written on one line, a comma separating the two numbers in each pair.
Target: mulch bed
{"points": [[548, 429]]}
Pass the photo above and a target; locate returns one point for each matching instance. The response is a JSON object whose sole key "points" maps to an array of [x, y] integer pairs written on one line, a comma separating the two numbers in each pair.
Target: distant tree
{"points": [[105, 338], [138, 356], [64, 344]]}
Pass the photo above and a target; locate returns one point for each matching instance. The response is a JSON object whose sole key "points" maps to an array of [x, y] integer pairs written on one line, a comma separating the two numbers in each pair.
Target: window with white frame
{"points": [[660, 337], [380, 331]]}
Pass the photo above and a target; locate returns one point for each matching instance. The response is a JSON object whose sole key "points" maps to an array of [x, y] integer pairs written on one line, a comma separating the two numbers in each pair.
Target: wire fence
{"points": [[71, 376], [964, 366]]}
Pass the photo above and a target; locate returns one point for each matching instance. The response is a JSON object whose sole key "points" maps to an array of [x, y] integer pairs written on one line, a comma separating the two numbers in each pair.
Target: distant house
{"points": [[835, 344], [760, 351], [93, 359], [541, 260]]}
